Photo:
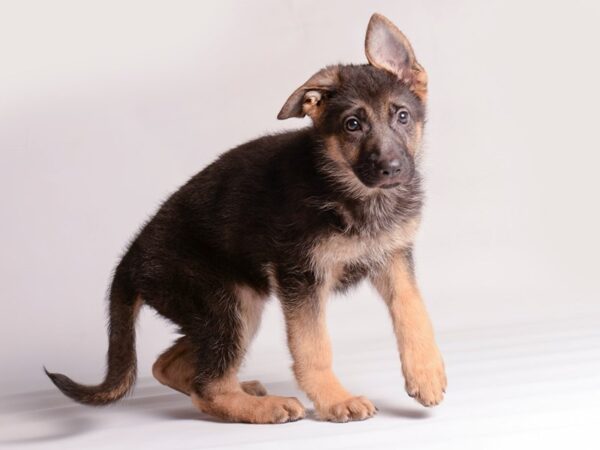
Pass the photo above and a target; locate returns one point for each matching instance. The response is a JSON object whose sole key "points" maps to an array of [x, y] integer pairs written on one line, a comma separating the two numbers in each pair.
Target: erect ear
{"points": [[309, 98], [387, 48]]}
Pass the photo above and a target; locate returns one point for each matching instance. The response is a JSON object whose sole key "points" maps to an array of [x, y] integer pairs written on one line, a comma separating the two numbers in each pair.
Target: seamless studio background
{"points": [[107, 107]]}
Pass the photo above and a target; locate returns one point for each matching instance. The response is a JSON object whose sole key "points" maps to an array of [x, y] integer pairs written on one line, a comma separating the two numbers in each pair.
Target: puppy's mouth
{"points": [[376, 183], [372, 179]]}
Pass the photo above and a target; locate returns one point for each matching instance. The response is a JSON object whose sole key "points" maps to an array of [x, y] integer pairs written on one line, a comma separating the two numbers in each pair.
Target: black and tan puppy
{"points": [[298, 215]]}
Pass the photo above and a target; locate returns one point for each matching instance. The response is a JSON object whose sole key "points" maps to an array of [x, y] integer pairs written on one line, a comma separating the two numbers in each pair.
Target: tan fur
{"points": [[418, 138], [422, 363], [419, 81], [339, 249], [176, 367], [338, 167], [225, 398], [346, 156], [250, 313], [311, 350], [269, 271]]}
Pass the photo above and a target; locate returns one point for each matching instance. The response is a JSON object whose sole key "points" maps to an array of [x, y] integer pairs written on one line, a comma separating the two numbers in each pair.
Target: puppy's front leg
{"points": [[422, 362], [311, 350]]}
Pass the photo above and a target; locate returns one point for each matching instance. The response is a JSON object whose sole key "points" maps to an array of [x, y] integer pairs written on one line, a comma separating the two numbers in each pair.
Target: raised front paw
{"points": [[425, 376], [353, 408]]}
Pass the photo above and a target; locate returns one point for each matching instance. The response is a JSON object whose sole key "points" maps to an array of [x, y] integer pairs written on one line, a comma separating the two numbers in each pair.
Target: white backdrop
{"points": [[107, 107]]}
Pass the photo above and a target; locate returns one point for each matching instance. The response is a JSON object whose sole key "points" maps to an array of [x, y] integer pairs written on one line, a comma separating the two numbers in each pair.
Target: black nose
{"points": [[389, 168]]}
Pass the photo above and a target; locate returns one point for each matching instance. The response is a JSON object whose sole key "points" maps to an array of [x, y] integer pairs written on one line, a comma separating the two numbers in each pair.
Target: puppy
{"points": [[296, 215]]}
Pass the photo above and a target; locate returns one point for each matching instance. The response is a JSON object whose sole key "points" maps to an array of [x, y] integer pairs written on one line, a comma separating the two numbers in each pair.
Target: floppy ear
{"points": [[308, 99], [387, 48]]}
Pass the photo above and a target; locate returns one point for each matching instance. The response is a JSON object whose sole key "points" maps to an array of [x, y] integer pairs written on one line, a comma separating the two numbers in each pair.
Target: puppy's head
{"points": [[370, 116]]}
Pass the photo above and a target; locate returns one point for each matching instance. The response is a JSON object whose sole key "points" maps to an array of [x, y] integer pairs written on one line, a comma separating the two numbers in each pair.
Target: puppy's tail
{"points": [[121, 358]]}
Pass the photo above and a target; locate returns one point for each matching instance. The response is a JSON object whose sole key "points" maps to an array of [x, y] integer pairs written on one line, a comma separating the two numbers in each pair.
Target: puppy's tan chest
{"points": [[331, 254]]}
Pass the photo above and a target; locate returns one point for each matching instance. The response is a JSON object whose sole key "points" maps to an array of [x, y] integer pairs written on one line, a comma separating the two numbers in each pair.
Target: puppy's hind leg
{"points": [[219, 336], [176, 368]]}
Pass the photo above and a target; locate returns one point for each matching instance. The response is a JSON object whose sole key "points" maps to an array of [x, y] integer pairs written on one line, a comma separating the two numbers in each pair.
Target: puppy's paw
{"points": [[353, 408], [245, 408], [425, 376], [271, 409]]}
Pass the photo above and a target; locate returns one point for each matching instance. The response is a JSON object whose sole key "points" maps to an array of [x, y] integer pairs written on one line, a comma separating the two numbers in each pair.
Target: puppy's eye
{"points": [[403, 116], [352, 124]]}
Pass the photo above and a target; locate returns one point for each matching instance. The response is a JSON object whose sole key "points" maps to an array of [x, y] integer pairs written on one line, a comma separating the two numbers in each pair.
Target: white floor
{"points": [[511, 387]]}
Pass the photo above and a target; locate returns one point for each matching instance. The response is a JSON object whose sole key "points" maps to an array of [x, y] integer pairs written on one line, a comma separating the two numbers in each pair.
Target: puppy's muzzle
{"points": [[393, 170]]}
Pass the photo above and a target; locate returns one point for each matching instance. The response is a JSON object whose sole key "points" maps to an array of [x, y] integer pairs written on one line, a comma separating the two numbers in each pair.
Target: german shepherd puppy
{"points": [[298, 214]]}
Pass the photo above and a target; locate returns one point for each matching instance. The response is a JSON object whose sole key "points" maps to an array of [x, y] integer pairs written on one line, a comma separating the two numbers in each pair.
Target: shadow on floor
{"points": [[44, 416], [47, 415], [418, 412]]}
